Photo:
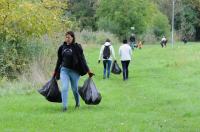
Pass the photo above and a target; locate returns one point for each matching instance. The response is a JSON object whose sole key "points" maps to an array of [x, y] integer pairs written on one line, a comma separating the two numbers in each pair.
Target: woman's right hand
{"points": [[90, 74]]}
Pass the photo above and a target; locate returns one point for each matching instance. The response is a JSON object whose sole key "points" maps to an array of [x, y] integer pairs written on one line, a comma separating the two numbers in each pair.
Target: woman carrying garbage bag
{"points": [[71, 64], [107, 54]]}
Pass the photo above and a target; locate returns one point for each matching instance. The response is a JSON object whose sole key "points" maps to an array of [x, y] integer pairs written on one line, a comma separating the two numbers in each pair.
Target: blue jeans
{"points": [[69, 76], [106, 65]]}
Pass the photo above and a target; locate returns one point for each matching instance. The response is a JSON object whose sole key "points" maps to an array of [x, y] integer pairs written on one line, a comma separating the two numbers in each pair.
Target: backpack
{"points": [[106, 52]]}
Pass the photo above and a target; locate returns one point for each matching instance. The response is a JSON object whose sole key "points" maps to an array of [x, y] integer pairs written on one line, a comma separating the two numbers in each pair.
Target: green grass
{"points": [[162, 94]]}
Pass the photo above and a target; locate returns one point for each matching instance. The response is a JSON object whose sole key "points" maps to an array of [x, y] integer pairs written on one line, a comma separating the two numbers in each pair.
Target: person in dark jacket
{"points": [[71, 64], [163, 42], [132, 41], [184, 40]]}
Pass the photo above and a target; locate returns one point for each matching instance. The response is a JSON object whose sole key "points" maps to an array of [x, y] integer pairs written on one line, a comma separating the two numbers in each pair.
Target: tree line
{"points": [[147, 16]]}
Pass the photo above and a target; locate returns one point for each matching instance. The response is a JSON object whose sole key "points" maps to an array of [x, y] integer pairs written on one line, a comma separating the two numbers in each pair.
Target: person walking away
{"points": [[107, 54], [72, 64], [163, 42], [125, 53], [132, 41]]}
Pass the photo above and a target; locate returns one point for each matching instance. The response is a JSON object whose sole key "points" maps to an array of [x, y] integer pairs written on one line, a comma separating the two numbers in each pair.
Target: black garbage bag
{"points": [[51, 91], [115, 68], [89, 93]]}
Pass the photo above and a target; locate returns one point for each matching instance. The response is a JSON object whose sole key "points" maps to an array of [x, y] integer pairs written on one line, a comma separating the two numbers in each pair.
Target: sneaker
{"points": [[77, 106]]}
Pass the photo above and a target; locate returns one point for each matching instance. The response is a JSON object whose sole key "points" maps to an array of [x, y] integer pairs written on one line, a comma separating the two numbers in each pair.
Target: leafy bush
{"points": [[161, 25], [20, 22], [148, 37], [108, 25], [14, 57]]}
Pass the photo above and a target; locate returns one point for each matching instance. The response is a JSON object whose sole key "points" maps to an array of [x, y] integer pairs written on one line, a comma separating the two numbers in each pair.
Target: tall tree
{"points": [[120, 15]]}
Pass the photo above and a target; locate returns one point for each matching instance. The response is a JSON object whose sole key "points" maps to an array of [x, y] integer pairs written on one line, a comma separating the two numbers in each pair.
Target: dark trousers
{"points": [[125, 69], [163, 44]]}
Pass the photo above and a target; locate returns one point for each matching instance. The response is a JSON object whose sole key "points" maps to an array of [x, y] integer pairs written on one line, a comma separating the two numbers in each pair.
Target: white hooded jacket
{"points": [[112, 53], [125, 52]]}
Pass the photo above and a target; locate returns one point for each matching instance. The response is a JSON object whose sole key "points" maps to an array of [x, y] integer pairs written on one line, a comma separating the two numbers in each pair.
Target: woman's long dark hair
{"points": [[71, 33]]}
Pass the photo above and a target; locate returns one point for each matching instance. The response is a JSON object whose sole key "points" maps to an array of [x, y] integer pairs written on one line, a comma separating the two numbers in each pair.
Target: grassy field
{"points": [[162, 94]]}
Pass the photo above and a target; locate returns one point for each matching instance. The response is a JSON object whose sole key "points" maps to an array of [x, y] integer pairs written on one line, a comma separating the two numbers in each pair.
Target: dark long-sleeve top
{"points": [[72, 57], [132, 38]]}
